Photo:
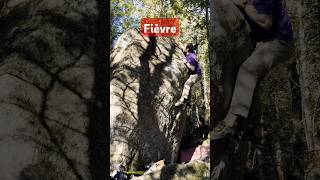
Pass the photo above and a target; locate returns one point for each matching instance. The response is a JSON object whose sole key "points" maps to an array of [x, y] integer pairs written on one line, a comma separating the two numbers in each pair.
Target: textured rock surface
{"points": [[147, 76], [231, 44], [47, 79]]}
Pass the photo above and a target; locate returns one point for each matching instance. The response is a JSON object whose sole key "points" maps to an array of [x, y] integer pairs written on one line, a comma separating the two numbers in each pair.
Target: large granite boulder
{"points": [[147, 77]]}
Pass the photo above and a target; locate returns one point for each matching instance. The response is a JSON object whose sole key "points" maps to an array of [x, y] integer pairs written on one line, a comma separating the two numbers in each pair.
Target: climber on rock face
{"points": [[273, 33], [194, 72]]}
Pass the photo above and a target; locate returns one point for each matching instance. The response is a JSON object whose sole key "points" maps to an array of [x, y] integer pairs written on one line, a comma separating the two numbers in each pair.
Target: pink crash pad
{"points": [[191, 154]]}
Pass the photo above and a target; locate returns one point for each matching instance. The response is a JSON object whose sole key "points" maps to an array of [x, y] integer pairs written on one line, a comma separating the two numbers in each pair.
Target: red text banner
{"points": [[159, 26]]}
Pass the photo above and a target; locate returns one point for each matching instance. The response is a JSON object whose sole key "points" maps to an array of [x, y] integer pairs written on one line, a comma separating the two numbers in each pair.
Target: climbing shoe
{"points": [[221, 131]]}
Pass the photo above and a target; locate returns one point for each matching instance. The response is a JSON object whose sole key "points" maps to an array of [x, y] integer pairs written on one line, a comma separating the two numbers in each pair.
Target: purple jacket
{"points": [[281, 26], [191, 59]]}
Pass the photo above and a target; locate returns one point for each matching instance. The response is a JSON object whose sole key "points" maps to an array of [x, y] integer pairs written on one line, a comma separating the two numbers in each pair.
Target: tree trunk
{"points": [[308, 67]]}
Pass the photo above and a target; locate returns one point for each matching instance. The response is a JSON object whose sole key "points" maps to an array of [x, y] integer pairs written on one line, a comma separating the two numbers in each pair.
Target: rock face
{"points": [[49, 93], [147, 77], [231, 43]]}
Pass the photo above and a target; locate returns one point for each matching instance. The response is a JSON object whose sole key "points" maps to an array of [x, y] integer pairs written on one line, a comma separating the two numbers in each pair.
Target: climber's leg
{"points": [[186, 88], [264, 57]]}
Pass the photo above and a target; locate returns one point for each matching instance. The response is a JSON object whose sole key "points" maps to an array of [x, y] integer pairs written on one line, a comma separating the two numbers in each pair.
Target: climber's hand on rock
{"points": [[240, 3]]}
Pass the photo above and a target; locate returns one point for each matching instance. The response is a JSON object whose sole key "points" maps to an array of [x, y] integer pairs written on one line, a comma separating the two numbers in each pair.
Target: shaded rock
{"points": [[48, 91], [147, 77], [226, 20], [231, 44]]}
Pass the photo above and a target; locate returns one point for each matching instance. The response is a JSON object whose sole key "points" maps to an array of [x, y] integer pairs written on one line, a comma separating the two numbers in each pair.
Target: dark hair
{"points": [[191, 48]]}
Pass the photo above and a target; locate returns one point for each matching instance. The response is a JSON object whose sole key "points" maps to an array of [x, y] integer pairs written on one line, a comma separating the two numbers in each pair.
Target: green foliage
{"points": [[126, 14]]}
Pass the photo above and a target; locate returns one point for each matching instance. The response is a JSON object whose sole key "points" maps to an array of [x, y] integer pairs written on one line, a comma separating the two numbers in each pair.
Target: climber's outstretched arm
{"points": [[262, 17]]}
